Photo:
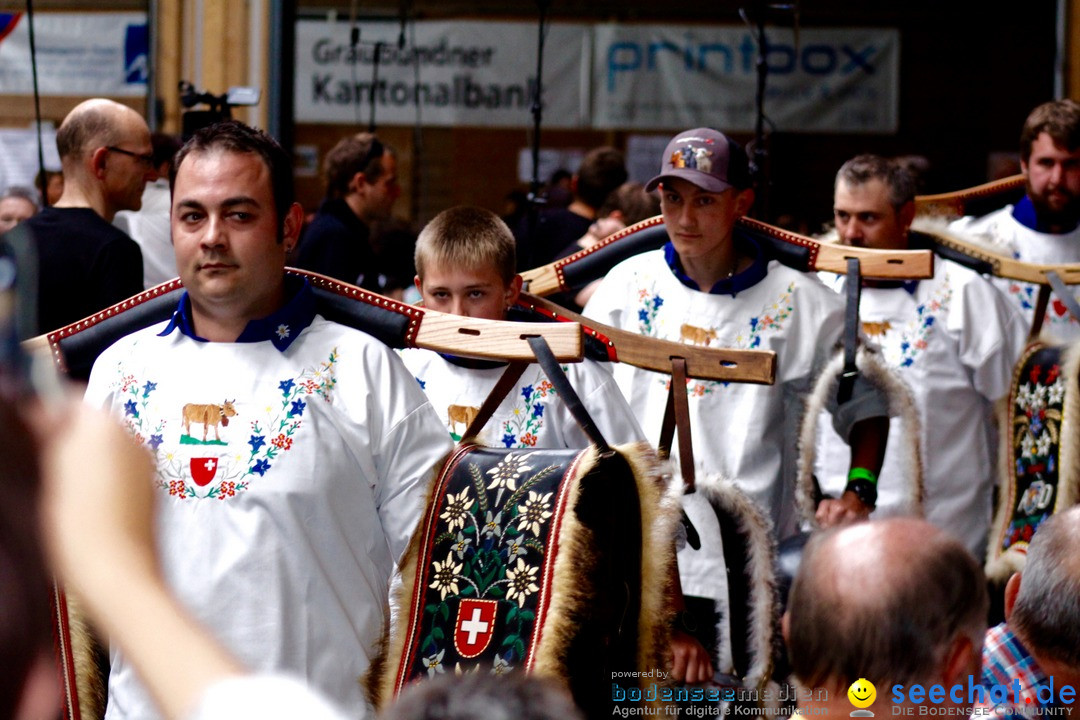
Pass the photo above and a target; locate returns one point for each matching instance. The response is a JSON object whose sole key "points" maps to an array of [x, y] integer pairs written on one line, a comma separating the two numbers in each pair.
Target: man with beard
{"points": [[1043, 227]]}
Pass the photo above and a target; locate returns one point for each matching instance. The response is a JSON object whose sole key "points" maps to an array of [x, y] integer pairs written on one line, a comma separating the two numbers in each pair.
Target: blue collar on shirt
{"points": [[1024, 213], [280, 327], [728, 286]]}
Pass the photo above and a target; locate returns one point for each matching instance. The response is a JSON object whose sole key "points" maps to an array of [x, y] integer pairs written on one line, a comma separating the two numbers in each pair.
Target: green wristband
{"points": [[859, 473]]}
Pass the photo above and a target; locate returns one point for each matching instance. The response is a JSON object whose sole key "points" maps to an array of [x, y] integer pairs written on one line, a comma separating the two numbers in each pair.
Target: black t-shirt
{"points": [[84, 265]]}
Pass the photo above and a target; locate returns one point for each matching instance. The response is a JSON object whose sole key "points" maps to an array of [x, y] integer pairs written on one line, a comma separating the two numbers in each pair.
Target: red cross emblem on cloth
{"points": [[203, 470], [475, 626]]}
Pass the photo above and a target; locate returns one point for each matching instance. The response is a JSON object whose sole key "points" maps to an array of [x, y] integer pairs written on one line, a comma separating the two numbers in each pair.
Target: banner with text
{"points": [[682, 76], [99, 54], [448, 73]]}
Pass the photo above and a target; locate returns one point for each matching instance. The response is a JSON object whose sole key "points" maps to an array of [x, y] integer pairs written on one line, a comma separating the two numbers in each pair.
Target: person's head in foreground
{"points": [[465, 262], [895, 602]]}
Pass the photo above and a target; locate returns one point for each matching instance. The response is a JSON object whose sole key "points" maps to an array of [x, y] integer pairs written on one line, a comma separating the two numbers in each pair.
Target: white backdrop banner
{"points": [[462, 73], [683, 76], [99, 54]]}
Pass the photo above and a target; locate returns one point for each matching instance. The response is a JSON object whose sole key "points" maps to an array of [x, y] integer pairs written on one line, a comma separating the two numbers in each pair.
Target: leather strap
{"points": [[566, 391], [511, 375], [677, 417], [1040, 312], [851, 332], [1064, 293]]}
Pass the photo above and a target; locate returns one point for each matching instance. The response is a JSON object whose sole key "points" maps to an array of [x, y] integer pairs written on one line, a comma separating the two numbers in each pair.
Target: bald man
{"points": [[896, 602], [86, 264]]}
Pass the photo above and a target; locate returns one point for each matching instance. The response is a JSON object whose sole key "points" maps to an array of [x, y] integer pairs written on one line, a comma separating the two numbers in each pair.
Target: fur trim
{"points": [[757, 531], [901, 404], [89, 683], [1000, 565], [660, 516]]}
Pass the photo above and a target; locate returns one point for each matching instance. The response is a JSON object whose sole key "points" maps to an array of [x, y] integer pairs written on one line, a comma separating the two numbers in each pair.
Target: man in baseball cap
{"points": [[712, 284]]}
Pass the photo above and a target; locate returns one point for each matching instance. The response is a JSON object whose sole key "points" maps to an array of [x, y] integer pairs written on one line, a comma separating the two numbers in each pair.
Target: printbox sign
{"points": [[679, 76]]}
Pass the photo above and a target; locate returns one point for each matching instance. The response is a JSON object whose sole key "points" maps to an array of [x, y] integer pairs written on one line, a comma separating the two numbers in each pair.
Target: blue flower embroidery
{"points": [[286, 386], [148, 388], [643, 315], [256, 442], [260, 467], [155, 440], [753, 323], [657, 302], [526, 392], [130, 409], [297, 408], [538, 410], [423, 385], [508, 440]]}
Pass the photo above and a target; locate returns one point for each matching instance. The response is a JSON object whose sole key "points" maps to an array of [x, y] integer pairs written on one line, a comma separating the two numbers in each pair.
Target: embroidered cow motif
{"points": [[693, 335], [876, 329], [209, 416], [464, 414]]}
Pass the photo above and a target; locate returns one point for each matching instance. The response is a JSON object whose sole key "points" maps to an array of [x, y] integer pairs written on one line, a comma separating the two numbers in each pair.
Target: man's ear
{"points": [[962, 659], [512, 291], [906, 214], [291, 226], [357, 182], [744, 201], [1024, 167], [96, 162], [419, 284], [784, 626], [1012, 589]]}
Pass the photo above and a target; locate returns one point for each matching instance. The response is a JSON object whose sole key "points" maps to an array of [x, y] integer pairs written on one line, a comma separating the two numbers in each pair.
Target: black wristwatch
{"points": [[865, 490]]}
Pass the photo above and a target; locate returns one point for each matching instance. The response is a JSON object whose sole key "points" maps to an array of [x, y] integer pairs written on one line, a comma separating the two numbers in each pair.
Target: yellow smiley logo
{"points": [[862, 693]]}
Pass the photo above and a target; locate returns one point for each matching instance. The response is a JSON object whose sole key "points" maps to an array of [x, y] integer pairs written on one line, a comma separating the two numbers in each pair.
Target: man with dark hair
{"points": [[361, 188], [17, 204], [602, 170], [894, 602], [149, 225], [1043, 227], [952, 338], [292, 453], [1038, 645], [86, 264]]}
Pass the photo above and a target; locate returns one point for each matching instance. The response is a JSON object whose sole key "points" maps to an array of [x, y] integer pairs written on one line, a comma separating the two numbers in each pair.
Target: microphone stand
{"points": [[759, 157], [535, 200]]}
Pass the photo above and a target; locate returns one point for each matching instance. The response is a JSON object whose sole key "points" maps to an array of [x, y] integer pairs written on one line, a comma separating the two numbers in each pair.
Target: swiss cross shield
{"points": [[475, 626], [203, 470]]}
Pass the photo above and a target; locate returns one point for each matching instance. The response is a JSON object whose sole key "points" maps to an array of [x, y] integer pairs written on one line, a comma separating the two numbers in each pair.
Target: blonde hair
{"points": [[467, 237]]}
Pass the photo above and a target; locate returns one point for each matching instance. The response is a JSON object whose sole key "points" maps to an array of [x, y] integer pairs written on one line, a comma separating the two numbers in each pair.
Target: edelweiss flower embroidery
{"points": [[283, 331], [521, 582], [457, 510], [446, 577], [507, 472], [534, 512], [433, 663]]}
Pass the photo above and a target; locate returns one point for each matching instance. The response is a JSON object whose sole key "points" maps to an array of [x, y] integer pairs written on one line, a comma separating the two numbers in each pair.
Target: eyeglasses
{"points": [[147, 159]]}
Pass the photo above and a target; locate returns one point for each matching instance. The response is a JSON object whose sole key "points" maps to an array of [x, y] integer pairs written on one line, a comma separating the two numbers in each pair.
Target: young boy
{"points": [[465, 262]]}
